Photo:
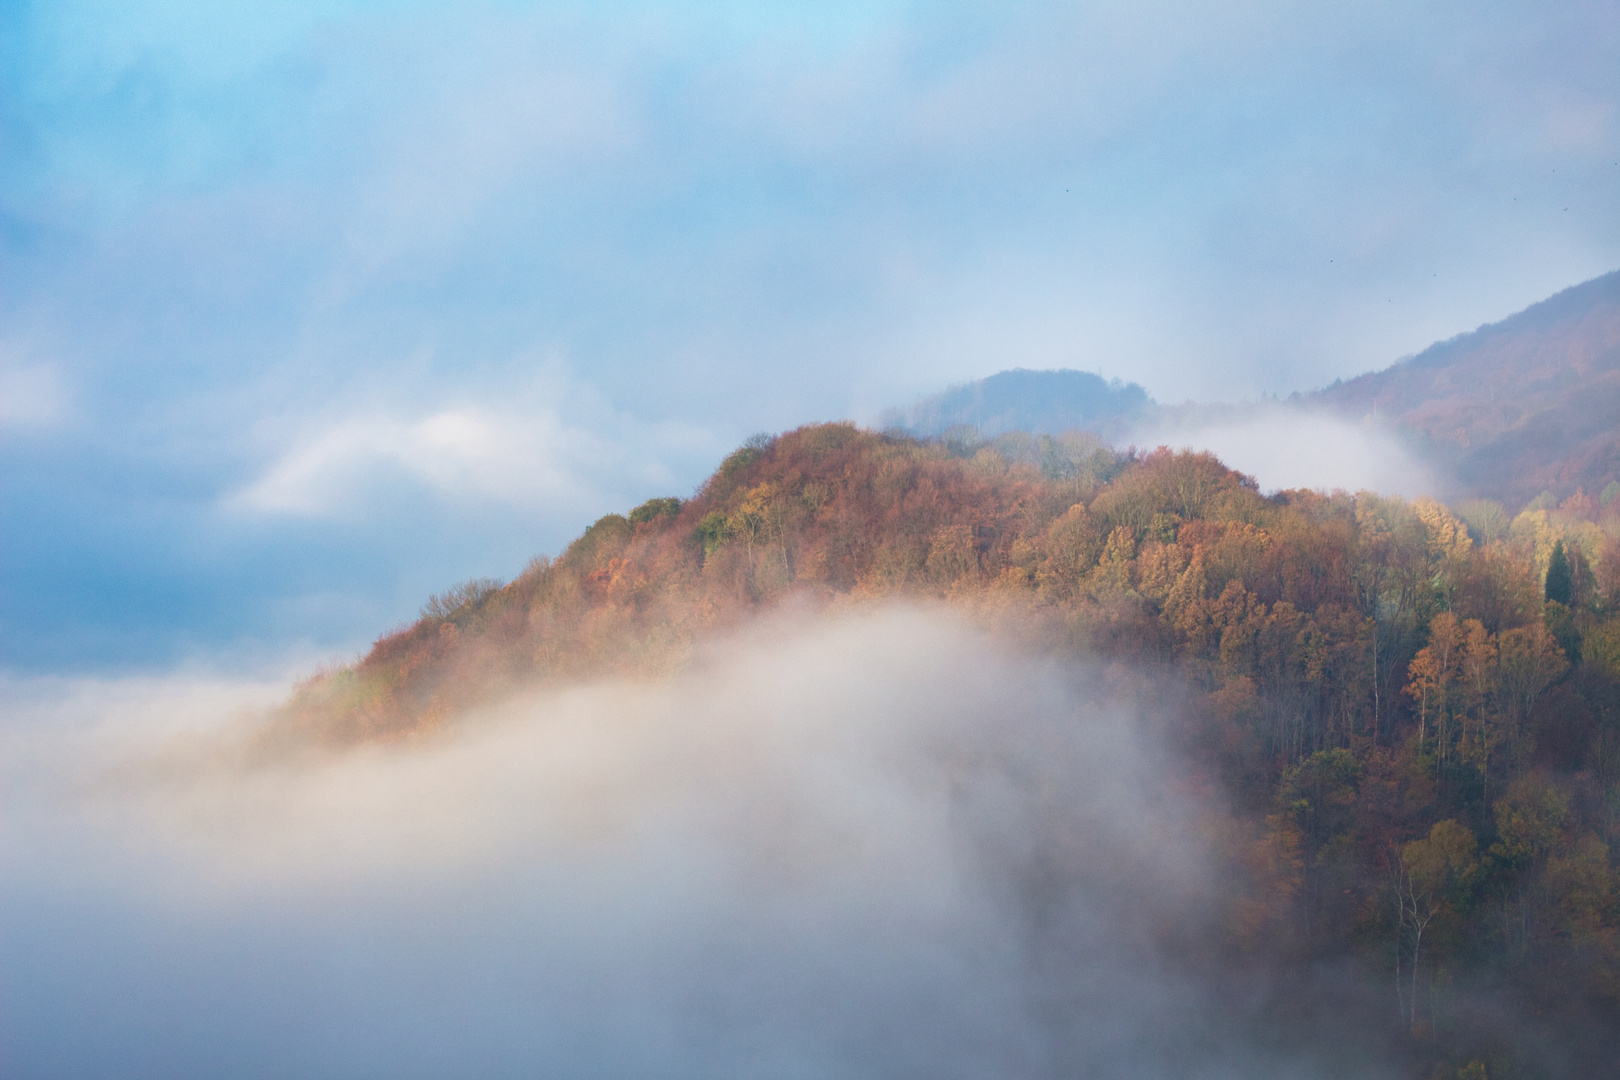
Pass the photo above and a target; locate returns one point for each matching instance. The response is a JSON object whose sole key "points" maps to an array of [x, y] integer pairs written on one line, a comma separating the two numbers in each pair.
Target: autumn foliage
{"points": [[1421, 750]]}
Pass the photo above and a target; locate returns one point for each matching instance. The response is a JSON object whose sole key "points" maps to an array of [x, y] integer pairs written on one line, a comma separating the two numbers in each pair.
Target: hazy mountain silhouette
{"points": [[1513, 409], [1042, 402], [1525, 405]]}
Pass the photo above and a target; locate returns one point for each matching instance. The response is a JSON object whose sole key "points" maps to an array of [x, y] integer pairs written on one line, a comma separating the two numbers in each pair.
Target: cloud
{"points": [[1283, 446], [1230, 198], [532, 461], [32, 395], [870, 845], [551, 446]]}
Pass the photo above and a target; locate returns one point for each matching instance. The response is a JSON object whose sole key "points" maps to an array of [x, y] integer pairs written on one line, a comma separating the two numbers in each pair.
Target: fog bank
{"points": [[869, 845], [1286, 446]]}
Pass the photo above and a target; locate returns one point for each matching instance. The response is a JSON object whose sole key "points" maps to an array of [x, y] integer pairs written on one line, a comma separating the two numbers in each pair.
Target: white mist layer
{"points": [[866, 846], [1282, 446]]}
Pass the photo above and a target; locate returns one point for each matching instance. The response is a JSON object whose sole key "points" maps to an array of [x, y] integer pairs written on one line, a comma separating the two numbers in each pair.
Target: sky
{"points": [[309, 310]]}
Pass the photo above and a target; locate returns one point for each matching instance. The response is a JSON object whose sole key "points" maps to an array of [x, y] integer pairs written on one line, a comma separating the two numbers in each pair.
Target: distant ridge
{"points": [[1518, 409], [1515, 408], [1021, 400]]}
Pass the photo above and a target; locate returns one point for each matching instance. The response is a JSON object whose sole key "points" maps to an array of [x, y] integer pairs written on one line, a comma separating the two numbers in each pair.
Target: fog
{"points": [[869, 844], [1287, 446]]}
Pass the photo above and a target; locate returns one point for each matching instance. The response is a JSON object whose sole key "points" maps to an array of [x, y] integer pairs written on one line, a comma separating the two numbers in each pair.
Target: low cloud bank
{"points": [[875, 844], [1284, 446]]}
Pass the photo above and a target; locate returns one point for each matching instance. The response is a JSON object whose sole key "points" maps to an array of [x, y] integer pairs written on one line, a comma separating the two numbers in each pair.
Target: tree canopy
{"points": [[1414, 713]]}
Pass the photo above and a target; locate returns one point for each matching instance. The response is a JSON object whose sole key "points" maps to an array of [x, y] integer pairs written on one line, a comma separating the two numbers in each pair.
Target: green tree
{"points": [[653, 509], [1560, 582], [1433, 878], [1530, 819]]}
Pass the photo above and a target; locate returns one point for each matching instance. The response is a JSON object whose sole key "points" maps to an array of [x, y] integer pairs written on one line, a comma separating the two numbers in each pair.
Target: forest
{"points": [[1412, 710]]}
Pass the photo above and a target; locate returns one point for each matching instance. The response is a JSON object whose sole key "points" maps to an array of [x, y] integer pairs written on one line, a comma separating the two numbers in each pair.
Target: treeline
{"points": [[1414, 710]]}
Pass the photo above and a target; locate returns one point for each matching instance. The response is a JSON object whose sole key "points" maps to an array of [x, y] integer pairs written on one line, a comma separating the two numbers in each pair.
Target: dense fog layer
{"points": [[868, 845], [1288, 446]]}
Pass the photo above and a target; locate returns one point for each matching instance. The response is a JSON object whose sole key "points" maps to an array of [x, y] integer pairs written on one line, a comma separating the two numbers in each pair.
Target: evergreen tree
{"points": [[1559, 582]]}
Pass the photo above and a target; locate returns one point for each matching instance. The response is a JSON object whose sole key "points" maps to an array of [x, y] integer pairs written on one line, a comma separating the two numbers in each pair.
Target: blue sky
{"points": [[307, 310]]}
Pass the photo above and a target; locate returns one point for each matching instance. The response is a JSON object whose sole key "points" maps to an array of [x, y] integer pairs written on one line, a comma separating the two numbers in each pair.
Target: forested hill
{"points": [[1042, 402], [1415, 721], [1526, 405]]}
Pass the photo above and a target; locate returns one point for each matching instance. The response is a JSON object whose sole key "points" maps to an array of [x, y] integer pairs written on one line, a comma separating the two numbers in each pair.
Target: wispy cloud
{"points": [[529, 461], [32, 396], [544, 444]]}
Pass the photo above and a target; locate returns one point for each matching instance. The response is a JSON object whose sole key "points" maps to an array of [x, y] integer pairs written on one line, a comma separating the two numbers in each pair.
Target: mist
{"points": [[1287, 446], [873, 843]]}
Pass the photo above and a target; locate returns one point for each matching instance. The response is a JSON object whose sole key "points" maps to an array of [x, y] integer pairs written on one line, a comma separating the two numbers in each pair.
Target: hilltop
{"points": [[1039, 402]]}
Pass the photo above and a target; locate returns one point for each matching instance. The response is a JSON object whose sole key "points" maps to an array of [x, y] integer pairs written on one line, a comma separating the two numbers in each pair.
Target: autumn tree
{"points": [[1433, 877]]}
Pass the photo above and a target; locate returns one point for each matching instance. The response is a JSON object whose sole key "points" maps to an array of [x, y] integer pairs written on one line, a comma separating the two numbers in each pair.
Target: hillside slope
{"points": [[1402, 728], [1526, 405]]}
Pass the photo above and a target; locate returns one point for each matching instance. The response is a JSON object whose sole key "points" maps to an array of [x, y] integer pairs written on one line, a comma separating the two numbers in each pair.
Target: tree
{"points": [[1560, 582], [460, 600], [1530, 819], [653, 509], [755, 517], [951, 555], [1529, 660], [1431, 674], [1071, 546], [1432, 877]]}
